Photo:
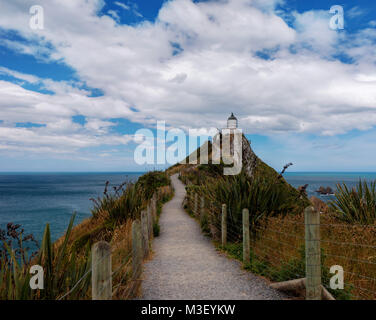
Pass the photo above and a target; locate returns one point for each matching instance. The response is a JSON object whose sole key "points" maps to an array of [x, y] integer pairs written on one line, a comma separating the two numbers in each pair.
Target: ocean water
{"points": [[34, 199], [326, 179]]}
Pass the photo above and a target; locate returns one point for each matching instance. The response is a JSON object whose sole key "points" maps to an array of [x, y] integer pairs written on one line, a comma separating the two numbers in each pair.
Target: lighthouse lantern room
{"points": [[232, 122]]}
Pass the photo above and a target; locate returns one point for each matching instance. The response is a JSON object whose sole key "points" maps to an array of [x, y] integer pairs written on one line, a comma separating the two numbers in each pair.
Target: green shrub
{"points": [[357, 205], [127, 200], [261, 197], [235, 250], [204, 223], [88, 238], [156, 229], [62, 269], [151, 181], [69, 264]]}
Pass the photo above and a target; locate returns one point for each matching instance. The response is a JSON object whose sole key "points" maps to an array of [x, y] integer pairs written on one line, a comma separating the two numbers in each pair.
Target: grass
{"points": [[357, 205], [69, 258], [129, 199], [278, 254], [204, 224], [262, 197], [284, 270], [348, 233], [166, 195], [151, 181], [156, 229], [59, 264]]}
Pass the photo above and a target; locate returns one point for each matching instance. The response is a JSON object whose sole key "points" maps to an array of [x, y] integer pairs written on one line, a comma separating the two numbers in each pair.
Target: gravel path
{"points": [[185, 264]]}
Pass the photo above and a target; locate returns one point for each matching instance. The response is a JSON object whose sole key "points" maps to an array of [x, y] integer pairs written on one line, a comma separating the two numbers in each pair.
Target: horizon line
{"points": [[302, 171]]}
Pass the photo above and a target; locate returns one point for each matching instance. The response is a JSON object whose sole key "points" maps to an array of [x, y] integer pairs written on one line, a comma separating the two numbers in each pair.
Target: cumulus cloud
{"points": [[191, 67]]}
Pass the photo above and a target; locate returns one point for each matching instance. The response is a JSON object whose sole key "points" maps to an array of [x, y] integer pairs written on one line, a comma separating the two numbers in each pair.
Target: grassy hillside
{"points": [[277, 224], [254, 170], [68, 260]]}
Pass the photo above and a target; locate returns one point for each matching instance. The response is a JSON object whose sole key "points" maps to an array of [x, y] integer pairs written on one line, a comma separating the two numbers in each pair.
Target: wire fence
{"points": [[123, 280], [279, 247]]}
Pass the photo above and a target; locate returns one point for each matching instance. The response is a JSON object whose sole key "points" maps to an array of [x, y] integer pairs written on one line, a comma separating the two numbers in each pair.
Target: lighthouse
{"points": [[232, 122]]}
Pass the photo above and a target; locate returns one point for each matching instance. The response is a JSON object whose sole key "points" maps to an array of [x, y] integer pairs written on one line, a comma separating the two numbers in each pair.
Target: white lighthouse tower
{"points": [[228, 146], [232, 122]]}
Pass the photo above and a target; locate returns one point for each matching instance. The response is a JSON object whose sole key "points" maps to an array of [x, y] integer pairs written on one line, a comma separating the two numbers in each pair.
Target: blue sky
{"points": [[74, 94]]}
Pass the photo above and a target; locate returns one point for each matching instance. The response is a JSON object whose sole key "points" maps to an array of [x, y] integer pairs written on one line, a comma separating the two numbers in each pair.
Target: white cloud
{"points": [[114, 14], [18, 75], [314, 32], [215, 70], [98, 125], [122, 5], [130, 7], [354, 12], [42, 139]]}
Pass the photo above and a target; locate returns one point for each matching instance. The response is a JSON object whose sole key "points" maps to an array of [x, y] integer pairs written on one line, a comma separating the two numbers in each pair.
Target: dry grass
{"points": [[121, 259], [174, 169], [85, 227], [68, 260], [278, 250], [280, 243], [120, 238], [165, 192], [125, 286]]}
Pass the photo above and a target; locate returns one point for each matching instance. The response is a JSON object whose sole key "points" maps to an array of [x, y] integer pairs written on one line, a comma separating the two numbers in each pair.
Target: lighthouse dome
{"points": [[232, 122]]}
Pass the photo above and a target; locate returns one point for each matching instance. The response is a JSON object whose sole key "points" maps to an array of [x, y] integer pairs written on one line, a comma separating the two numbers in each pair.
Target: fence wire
{"points": [[278, 247], [129, 278]]}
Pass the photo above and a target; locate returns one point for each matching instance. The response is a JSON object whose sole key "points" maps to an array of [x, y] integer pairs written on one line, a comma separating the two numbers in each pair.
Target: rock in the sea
{"points": [[319, 205], [325, 191]]}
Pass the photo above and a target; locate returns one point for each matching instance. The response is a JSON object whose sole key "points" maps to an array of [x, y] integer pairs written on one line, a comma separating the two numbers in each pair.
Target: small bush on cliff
{"points": [[127, 200], [151, 181]]}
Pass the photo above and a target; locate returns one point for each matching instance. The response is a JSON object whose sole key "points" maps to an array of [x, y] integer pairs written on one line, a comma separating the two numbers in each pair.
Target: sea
{"points": [[34, 199], [327, 179]]}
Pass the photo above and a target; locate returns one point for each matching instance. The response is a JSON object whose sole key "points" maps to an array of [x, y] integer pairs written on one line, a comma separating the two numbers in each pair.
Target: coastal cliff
{"points": [[253, 168]]}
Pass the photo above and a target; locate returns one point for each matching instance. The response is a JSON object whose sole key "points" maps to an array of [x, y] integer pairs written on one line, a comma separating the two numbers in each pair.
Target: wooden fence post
{"points": [[224, 225], [145, 233], [136, 249], [246, 239], [101, 275], [312, 253]]}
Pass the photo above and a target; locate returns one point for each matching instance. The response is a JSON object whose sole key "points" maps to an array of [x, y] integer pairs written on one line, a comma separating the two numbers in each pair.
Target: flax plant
{"points": [[356, 205], [261, 197], [62, 270]]}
